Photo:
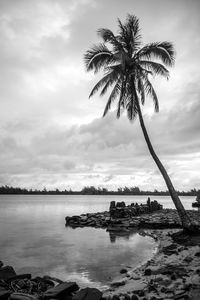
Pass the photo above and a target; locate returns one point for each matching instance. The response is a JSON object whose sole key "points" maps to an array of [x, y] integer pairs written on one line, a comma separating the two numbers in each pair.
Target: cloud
{"points": [[52, 135], [109, 150]]}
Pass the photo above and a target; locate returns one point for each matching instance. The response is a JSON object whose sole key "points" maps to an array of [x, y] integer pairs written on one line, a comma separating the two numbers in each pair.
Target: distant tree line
{"points": [[92, 190]]}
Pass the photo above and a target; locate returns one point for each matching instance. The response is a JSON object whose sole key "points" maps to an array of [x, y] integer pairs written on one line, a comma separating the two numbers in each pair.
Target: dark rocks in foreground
{"points": [[24, 287]]}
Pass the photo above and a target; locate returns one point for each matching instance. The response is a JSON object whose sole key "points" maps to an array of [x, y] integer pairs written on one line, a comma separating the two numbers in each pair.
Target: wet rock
{"points": [[88, 294], [61, 290], [147, 272], [53, 278], [22, 296], [123, 271], [118, 283], [7, 272]]}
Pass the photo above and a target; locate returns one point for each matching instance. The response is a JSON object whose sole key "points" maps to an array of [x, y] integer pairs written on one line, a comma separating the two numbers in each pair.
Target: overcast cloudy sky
{"points": [[52, 135]]}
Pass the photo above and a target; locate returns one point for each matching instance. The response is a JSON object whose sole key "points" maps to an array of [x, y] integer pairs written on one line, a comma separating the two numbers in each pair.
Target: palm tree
{"points": [[126, 67]]}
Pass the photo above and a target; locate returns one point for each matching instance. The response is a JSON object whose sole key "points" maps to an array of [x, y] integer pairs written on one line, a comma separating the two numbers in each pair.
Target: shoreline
{"points": [[173, 272]]}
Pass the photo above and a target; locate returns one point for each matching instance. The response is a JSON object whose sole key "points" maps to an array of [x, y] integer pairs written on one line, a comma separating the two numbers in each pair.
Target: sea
{"points": [[34, 239]]}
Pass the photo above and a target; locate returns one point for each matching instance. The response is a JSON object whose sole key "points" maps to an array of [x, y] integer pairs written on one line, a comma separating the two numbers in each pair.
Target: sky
{"points": [[53, 136]]}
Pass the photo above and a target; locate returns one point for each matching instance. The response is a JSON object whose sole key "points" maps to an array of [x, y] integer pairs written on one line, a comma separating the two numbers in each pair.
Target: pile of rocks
{"points": [[121, 217], [120, 210], [24, 287]]}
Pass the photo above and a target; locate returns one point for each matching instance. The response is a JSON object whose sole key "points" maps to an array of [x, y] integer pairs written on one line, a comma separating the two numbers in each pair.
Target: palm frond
{"points": [[108, 37], [154, 68], [99, 84], [97, 57], [141, 90], [151, 92], [129, 34], [163, 51], [112, 97], [131, 105], [131, 109], [122, 97]]}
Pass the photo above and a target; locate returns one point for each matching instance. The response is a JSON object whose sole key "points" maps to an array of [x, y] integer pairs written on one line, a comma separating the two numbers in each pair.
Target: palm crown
{"points": [[127, 66]]}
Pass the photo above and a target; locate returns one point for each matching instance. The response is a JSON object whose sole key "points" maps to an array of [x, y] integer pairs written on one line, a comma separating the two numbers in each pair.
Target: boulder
{"points": [[7, 272], [61, 290], [88, 294], [112, 205], [147, 272], [123, 271]]}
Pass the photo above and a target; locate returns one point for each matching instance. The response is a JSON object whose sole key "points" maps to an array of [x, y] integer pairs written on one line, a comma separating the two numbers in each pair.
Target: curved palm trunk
{"points": [[186, 222]]}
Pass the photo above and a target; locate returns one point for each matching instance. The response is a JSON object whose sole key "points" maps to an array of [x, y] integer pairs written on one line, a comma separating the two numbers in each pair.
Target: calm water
{"points": [[33, 238]]}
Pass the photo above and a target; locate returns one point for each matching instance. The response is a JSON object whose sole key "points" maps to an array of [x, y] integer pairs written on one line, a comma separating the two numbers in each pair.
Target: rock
{"points": [[4, 294], [88, 294], [22, 296], [123, 271], [127, 297], [1, 264], [112, 205], [115, 297], [43, 284], [197, 254], [134, 297], [7, 272], [140, 293], [53, 278], [18, 277], [163, 289], [117, 283], [147, 272], [61, 290], [173, 277]]}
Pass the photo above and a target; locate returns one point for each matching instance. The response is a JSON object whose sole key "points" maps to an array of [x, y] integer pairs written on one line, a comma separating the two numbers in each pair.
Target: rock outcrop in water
{"points": [[121, 216], [120, 210]]}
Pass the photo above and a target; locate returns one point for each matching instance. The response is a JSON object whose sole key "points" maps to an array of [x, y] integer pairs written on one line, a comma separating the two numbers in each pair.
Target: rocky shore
{"points": [[121, 217], [172, 274]]}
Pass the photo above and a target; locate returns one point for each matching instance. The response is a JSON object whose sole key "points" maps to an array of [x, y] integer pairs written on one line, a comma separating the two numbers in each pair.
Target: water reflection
{"points": [[123, 234], [34, 239]]}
